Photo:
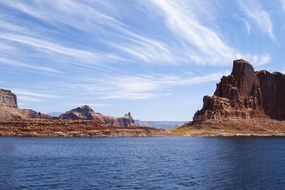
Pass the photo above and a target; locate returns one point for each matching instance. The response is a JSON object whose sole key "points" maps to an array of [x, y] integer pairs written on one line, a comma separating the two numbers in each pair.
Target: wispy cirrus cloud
{"points": [[205, 46], [34, 94], [25, 96], [193, 40], [139, 87], [45, 45], [13, 63], [247, 25], [254, 11], [85, 17]]}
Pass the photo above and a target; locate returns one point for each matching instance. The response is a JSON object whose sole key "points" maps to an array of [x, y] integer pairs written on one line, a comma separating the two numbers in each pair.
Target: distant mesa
{"points": [[245, 94], [87, 113], [84, 112], [161, 124]]}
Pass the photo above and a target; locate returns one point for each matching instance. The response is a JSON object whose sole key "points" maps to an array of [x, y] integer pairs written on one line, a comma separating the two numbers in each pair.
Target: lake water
{"points": [[142, 163]]}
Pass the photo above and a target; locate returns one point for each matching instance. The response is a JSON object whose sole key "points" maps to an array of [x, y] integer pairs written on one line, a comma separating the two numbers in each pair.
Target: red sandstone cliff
{"points": [[246, 102], [245, 94]]}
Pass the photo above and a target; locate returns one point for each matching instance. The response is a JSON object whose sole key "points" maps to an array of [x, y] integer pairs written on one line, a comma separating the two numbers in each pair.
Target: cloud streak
{"points": [[205, 46], [26, 96], [254, 11], [4, 61], [139, 87], [45, 45], [87, 18]]}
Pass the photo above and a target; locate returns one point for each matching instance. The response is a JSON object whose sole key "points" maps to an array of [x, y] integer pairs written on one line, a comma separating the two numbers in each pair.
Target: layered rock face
{"points": [[87, 113], [245, 94], [8, 99]]}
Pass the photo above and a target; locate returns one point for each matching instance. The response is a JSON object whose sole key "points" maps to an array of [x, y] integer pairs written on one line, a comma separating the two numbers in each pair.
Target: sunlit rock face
{"points": [[245, 94]]}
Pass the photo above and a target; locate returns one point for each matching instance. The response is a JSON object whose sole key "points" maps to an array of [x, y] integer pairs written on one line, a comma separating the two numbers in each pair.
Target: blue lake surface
{"points": [[143, 163]]}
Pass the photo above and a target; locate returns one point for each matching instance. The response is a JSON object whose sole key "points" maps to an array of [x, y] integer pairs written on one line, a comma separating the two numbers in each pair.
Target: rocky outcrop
{"points": [[81, 113], [245, 94], [9, 109], [87, 113], [8, 99]]}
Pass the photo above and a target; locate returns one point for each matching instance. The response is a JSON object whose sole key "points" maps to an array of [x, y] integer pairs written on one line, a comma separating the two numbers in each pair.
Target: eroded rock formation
{"points": [[245, 94], [9, 109], [87, 113]]}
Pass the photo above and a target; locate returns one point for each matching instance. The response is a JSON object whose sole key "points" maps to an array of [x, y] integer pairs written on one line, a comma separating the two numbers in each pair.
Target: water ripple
{"points": [[142, 163]]}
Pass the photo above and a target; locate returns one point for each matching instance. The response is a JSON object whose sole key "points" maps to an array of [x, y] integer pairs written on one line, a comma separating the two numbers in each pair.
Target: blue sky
{"points": [[154, 58]]}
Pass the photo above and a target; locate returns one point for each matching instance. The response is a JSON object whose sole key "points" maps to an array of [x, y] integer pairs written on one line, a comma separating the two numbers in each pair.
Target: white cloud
{"points": [[247, 25], [204, 39], [139, 87], [150, 52], [256, 13], [27, 93], [4, 61], [204, 45], [193, 42], [42, 44], [146, 86], [87, 18], [26, 96], [259, 60], [25, 99]]}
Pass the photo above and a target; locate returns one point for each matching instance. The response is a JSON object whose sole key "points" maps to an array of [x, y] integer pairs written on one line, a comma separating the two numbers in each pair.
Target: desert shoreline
{"points": [[93, 129]]}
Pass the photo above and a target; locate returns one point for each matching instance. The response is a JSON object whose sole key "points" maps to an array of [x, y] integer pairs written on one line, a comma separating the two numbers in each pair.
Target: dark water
{"points": [[142, 163]]}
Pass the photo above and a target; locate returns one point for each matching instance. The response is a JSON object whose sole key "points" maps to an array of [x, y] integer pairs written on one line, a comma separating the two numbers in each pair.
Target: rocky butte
{"points": [[87, 113], [246, 102]]}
